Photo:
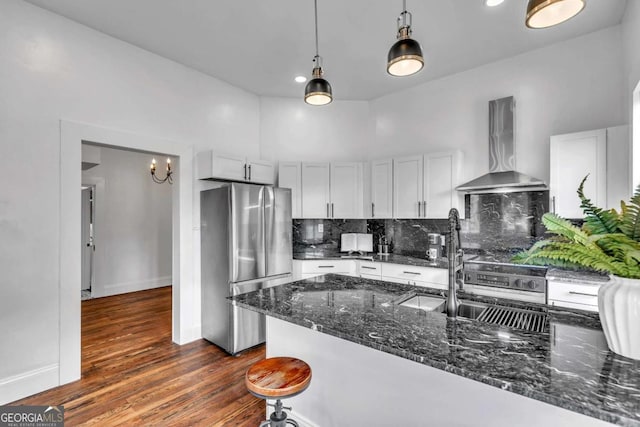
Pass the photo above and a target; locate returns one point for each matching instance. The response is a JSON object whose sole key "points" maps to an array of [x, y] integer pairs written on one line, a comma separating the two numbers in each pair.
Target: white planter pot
{"points": [[619, 305]]}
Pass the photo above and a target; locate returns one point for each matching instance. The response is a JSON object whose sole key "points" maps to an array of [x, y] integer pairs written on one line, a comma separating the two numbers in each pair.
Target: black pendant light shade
{"points": [[405, 56], [547, 13], [318, 90]]}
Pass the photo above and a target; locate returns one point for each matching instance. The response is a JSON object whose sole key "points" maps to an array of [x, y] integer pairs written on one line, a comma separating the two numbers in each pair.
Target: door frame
{"points": [[185, 327]]}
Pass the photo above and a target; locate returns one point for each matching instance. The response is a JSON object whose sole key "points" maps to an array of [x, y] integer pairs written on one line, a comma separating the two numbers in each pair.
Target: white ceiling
{"points": [[262, 45]]}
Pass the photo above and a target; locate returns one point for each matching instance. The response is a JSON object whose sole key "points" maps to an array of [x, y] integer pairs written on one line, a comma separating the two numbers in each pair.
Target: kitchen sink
{"points": [[518, 318]]}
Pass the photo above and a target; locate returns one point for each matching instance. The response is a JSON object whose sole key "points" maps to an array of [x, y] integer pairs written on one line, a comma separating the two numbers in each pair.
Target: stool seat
{"points": [[278, 377]]}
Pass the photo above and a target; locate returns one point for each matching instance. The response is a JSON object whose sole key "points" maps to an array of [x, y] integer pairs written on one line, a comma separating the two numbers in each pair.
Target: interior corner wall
{"points": [[631, 41], [132, 224], [291, 130], [52, 68], [567, 87]]}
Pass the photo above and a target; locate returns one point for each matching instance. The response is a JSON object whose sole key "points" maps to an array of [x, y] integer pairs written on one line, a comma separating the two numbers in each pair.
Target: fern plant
{"points": [[608, 241]]}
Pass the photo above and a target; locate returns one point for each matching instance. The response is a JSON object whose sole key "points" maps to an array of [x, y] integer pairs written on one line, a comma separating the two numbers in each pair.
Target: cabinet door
{"points": [[573, 156], [228, 167], [315, 190], [440, 180], [260, 172], [407, 187], [618, 166], [381, 189], [290, 176], [346, 190]]}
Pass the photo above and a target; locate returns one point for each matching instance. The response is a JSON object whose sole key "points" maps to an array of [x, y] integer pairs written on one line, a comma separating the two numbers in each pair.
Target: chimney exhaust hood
{"points": [[502, 176]]}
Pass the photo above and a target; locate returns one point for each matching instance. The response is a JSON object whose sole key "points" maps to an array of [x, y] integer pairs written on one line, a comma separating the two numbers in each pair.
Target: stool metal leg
{"points": [[292, 422]]}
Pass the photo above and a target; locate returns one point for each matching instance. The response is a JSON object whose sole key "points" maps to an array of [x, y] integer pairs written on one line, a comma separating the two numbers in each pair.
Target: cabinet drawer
{"points": [[420, 274], [369, 268], [574, 293], [328, 266]]}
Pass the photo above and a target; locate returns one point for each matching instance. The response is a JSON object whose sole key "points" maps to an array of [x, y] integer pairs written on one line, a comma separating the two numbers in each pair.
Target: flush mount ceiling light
{"points": [[547, 13], [300, 79], [318, 90], [405, 56], [492, 3]]}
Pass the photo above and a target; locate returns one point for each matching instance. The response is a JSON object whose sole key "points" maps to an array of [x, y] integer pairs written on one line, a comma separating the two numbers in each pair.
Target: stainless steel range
{"points": [[483, 276]]}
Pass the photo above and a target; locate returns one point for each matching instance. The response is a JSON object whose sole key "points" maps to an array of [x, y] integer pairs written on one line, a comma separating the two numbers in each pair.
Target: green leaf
{"points": [[596, 220]]}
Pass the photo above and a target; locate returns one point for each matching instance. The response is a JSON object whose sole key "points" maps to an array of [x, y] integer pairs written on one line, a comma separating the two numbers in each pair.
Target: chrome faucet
{"points": [[454, 255]]}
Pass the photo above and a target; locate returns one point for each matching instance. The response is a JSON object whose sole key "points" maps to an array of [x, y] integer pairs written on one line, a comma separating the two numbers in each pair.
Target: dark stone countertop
{"points": [[390, 258], [570, 366], [580, 277]]}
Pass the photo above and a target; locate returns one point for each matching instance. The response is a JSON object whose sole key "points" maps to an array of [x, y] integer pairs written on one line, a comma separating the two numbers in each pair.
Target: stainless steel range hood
{"points": [[502, 176]]}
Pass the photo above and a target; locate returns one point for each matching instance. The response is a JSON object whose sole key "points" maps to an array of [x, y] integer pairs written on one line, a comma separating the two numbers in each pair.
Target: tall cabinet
{"points": [[424, 185], [603, 154]]}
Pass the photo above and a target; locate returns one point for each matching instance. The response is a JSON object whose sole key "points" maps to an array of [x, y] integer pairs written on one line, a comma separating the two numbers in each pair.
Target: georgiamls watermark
{"points": [[31, 416]]}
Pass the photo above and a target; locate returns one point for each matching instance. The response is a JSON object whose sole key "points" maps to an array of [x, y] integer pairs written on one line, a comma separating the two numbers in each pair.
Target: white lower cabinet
{"points": [[417, 276], [573, 295], [317, 268]]}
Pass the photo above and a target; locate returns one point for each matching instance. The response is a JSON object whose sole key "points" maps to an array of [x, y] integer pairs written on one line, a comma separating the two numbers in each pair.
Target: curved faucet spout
{"points": [[454, 255]]}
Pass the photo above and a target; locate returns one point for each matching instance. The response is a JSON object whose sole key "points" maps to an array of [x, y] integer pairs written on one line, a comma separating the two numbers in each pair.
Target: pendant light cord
{"points": [[315, 6]]}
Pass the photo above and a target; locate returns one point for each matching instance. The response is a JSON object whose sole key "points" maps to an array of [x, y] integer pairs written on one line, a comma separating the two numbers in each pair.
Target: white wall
{"points": [[132, 223], [291, 130], [631, 40], [52, 69], [571, 86]]}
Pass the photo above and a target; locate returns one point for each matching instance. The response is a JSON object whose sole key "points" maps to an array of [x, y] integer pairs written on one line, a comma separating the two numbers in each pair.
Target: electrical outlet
{"points": [[321, 228]]}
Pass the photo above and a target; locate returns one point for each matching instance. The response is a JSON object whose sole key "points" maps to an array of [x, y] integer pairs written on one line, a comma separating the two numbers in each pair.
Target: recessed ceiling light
{"points": [[301, 79], [492, 3]]}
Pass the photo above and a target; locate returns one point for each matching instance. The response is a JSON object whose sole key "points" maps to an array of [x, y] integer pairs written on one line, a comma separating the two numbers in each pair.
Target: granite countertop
{"points": [[569, 366], [580, 277], [390, 258]]}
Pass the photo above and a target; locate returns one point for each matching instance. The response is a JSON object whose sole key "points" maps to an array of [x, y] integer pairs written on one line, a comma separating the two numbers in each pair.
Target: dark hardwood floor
{"points": [[132, 374]]}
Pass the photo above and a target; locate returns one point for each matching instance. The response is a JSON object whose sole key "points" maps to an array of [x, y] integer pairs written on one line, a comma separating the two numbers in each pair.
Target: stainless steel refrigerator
{"points": [[245, 245]]}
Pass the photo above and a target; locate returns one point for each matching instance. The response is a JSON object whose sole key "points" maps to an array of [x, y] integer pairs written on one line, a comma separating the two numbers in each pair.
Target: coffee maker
{"points": [[434, 246]]}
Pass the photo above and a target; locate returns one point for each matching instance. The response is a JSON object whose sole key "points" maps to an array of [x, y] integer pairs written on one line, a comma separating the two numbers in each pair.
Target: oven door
{"points": [[514, 294]]}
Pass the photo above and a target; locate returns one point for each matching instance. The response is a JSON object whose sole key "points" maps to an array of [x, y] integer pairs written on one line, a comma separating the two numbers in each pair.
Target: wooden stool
{"points": [[276, 378]]}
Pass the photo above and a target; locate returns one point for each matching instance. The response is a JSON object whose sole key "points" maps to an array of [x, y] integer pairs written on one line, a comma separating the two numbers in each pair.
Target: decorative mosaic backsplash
{"points": [[505, 223]]}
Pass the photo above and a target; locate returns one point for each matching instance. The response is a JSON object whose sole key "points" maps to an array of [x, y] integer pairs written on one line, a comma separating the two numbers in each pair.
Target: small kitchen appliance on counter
{"points": [[434, 246]]}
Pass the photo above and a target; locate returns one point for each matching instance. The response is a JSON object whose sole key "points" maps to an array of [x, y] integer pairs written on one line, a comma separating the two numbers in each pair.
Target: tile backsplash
{"points": [[495, 222]]}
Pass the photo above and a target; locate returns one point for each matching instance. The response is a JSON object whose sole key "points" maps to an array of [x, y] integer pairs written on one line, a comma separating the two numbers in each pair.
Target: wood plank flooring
{"points": [[133, 375]]}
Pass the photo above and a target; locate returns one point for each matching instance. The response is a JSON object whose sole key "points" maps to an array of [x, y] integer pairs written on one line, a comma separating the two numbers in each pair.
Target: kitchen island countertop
{"points": [[569, 366]]}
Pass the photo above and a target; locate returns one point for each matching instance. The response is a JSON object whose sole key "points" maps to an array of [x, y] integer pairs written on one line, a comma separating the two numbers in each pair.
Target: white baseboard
{"points": [[28, 383], [123, 288]]}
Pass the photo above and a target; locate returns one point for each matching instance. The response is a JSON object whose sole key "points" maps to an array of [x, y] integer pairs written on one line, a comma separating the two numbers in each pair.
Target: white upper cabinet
{"points": [[346, 190], [424, 186], [381, 189], [290, 176], [441, 175], [407, 187], [316, 195], [332, 190], [213, 165], [573, 156]]}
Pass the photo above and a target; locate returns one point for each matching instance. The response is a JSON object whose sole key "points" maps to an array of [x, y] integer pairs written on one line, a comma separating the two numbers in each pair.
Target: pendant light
{"points": [[547, 13], [405, 56], [318, 90]]}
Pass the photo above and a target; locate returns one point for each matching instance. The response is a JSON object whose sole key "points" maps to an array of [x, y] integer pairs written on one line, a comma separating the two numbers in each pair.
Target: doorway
{"points": [[185, 294], [87, 241]]}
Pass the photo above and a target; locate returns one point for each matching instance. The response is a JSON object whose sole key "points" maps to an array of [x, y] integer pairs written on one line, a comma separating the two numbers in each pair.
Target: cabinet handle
{"points": [[249, 172], [553, 204], [245, 171], [424, 209], [419, 209], [326, 266], [328, 214], [582, 293], [411, 272], [332, 211], [373, 210], [368, 268]]}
